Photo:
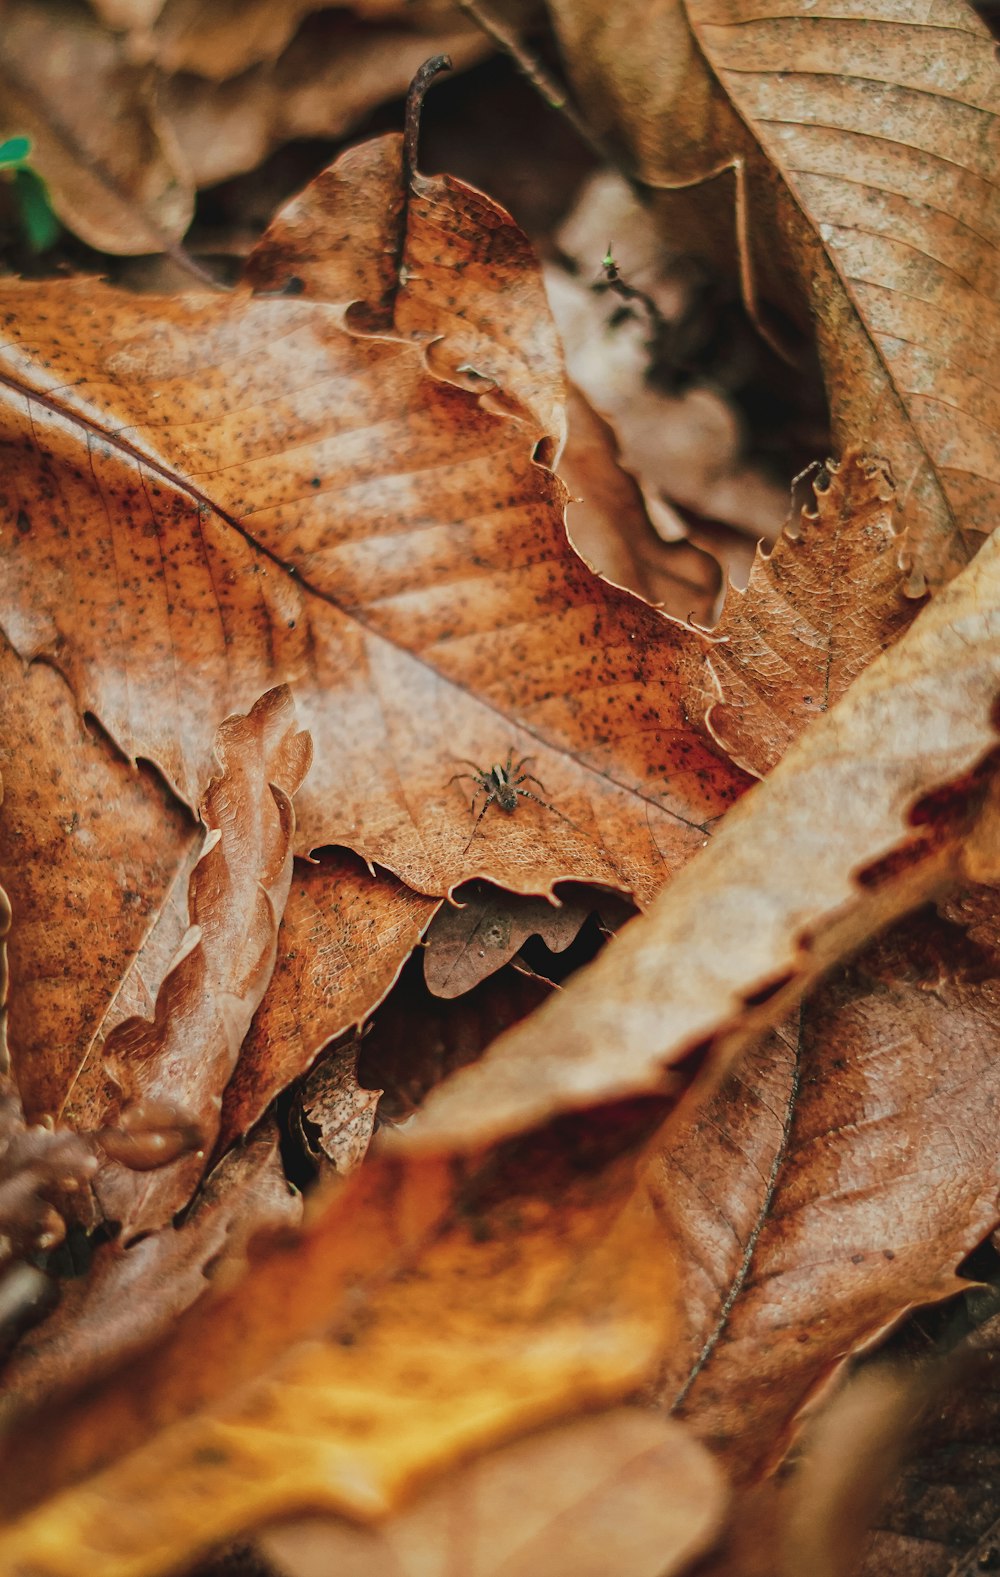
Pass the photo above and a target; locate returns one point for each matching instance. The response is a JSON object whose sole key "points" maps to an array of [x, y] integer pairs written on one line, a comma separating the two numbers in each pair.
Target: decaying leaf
{"points": [[88, 846], [428, 1309], [818, 608], [556, 1502], [474, 937], [855, 151], [186, 1053], [334, 1114], [401, 557], [344, 938], [133, 1294], [844, 835], [840, 1176]]}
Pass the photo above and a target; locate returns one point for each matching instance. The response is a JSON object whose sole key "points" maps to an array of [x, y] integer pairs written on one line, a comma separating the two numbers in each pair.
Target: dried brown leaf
{"points": [[834, 844], [428, 1310], [345, 936], [620, 1487], [839, 1178], [334, 1114], [857, 150], [471, 939], [376, 533], [818, 608], [88, 847], [187, 1052]]}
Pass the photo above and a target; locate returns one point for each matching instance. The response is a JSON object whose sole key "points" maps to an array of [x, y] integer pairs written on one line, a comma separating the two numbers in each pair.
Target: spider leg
{"points": [[527, 794], [458, 776], [464, 761], [524, 762], [528, 777], [489, 801]]}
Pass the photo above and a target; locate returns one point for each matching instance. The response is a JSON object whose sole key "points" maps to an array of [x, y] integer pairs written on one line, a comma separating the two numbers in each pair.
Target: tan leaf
{"points": [[111, 163], [344, 938], [469, 940], [334, 1114], [827, 850], [327, 510], [857, 150], [333, 72], [237, 893], [817, 609], [609, 527], [622, 1487], [532, 1293], [88, 846], [840, 1177]]}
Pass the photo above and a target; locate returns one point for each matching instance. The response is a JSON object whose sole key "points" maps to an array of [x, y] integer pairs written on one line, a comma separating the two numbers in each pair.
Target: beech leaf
{"points": [[358, 516], [824, 852]]}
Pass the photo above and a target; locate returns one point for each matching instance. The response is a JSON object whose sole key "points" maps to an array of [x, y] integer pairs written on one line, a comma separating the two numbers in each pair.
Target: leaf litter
{"points": [[275, 489]]}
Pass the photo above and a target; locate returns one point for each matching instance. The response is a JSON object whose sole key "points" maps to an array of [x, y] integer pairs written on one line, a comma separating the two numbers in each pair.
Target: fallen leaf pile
{"points": [[487, 1051]]}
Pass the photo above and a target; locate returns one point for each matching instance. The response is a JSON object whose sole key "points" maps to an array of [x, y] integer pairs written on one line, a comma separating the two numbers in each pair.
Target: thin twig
{"points": [[414, 105]]}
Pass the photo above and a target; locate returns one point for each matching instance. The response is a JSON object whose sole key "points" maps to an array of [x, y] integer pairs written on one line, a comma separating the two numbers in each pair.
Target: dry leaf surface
{"points": [[556, 1502], [857, 152], [828, 849], [840, 1176], [403, 558], [186, 1053], [532, 1292]]}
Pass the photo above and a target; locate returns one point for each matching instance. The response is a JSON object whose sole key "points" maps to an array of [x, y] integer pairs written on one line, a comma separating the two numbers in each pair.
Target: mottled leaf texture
{"points": [[207, 496], [620, 1481], [89, 847], [186, 1053], [483, 930], [858, 143], [344, 938], [334, 1114], [819, 606], [428, 1310], [942, 1518], [840, 1176], [878, 805]]}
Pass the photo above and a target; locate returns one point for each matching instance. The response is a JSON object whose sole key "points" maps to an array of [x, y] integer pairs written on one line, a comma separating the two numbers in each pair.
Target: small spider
{"points": [[503, 785]]}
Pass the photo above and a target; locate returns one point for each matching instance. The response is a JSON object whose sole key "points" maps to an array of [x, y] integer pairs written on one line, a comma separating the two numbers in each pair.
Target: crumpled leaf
{"points": [[471, 939], [819, 607], [867, 815], [858, 147], [623, 1480], [273, 552], [237, 893], [132, 1294], [428, 1309], [345, 936], [109, 159], [334, 1114], [839, 1178]]}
